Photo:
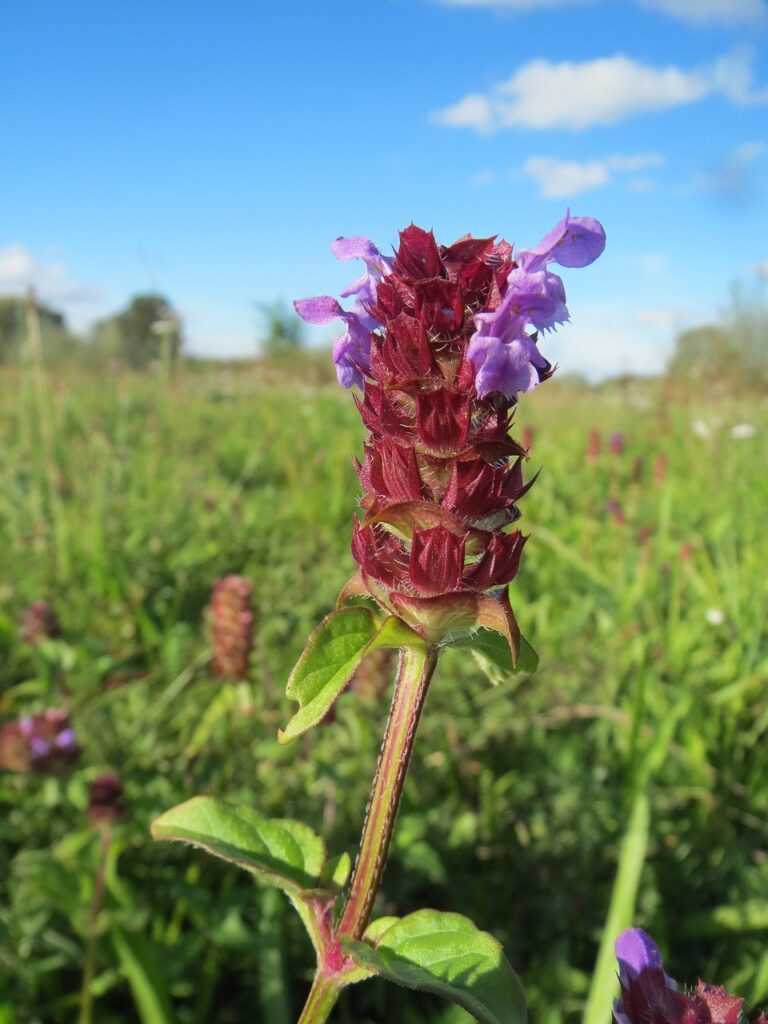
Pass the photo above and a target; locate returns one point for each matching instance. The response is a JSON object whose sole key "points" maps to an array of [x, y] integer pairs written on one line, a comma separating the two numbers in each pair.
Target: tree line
{"points": [[147, 331], [730, 353]]}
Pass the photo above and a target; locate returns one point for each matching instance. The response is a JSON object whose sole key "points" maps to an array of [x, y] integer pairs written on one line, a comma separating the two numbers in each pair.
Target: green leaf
{"points": [[285, 853], [604, 985], [281, 852], [334, 650], [330, 659], [491, 651], [448, 955], [140, 964]]}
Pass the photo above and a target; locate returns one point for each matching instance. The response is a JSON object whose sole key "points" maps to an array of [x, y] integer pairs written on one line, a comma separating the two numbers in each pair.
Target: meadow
{"points": [[641, 744]]}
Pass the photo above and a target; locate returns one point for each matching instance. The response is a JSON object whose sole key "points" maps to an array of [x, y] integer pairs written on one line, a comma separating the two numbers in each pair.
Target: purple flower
{"points": [[502, 351], [376, 267], [636, 951], [43, 743], [507, 367], [66, 739], [574, 242], [351, 350], [650, 996]]}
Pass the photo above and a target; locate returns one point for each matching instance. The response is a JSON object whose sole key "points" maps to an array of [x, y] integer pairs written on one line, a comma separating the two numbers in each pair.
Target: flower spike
{"points": [[442, 339]]}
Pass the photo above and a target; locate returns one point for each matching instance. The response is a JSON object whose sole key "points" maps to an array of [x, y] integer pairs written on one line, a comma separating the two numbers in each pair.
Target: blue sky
{"points": [[214, 150]]}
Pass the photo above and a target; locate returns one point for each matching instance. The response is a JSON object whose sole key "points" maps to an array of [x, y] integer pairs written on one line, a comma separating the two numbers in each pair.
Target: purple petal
{"points": [[66, 739], [39, 746], [540, 298], [508, 367], [355, 247], [320, 310], [352, 354], [636, 951], [360, 284], [530, 298], [573, 242]]}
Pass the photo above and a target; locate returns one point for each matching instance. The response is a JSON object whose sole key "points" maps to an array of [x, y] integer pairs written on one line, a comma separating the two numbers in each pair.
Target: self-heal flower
{"points": [[44, 743], [39, 623], [376, 267], [650, 996], [352, 349], [231, 621], [503, 351], [573, 242]]}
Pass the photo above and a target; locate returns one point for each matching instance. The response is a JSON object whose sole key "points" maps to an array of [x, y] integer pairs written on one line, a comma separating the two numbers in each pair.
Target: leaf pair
{"points": [[337, 646], [428, 950]]}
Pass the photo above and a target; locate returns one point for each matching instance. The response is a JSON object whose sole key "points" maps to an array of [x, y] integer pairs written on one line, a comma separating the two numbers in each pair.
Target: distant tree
{"points": [[282, 330], [730, 354], [57, 339], [147, 330]]}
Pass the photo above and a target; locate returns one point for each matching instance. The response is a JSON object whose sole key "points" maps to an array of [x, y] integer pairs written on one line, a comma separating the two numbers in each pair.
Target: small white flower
{"points": [[701, 429], [715, 616], [742, 430]]}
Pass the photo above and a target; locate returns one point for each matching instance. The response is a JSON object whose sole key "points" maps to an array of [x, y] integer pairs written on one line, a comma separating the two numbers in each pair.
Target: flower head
{"points": [[44, 743], [105, 798], [231, 621], [650, 996], [473, 282], [39, 623], [441, 340]]}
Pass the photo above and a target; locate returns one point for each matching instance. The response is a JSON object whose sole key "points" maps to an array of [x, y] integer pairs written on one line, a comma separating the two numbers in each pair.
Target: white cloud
{"points": [[561, 178], [696, 12], [19, 270], [640, 185], [607, 90], [557, 178]]}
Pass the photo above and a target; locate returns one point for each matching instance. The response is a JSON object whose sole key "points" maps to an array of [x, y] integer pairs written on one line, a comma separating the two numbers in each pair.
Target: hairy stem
{"points": [[322, 999], [414, 674]]}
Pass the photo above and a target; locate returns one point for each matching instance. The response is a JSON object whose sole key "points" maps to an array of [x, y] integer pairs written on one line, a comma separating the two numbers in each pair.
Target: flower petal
{"points": [[636, 951], [320, 310], [573, 242]]}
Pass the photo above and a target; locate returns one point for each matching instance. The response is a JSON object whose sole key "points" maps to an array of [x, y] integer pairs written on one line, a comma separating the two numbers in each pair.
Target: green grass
{"points": [[522, 797]]}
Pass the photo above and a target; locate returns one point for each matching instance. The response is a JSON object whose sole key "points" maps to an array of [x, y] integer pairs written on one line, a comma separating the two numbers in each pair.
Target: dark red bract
{"points": [[440, 474]]}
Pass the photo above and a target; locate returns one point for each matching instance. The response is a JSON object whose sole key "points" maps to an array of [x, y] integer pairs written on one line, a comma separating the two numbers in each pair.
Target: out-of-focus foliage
{"points": [[282, 332], [643, 588], [731, 355], [60, 344], [146, 331]]}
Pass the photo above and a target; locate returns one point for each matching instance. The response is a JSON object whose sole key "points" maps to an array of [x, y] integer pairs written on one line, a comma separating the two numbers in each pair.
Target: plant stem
{"points": [[86, 996], [413, 676], [414, 673], [322, 999]]}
